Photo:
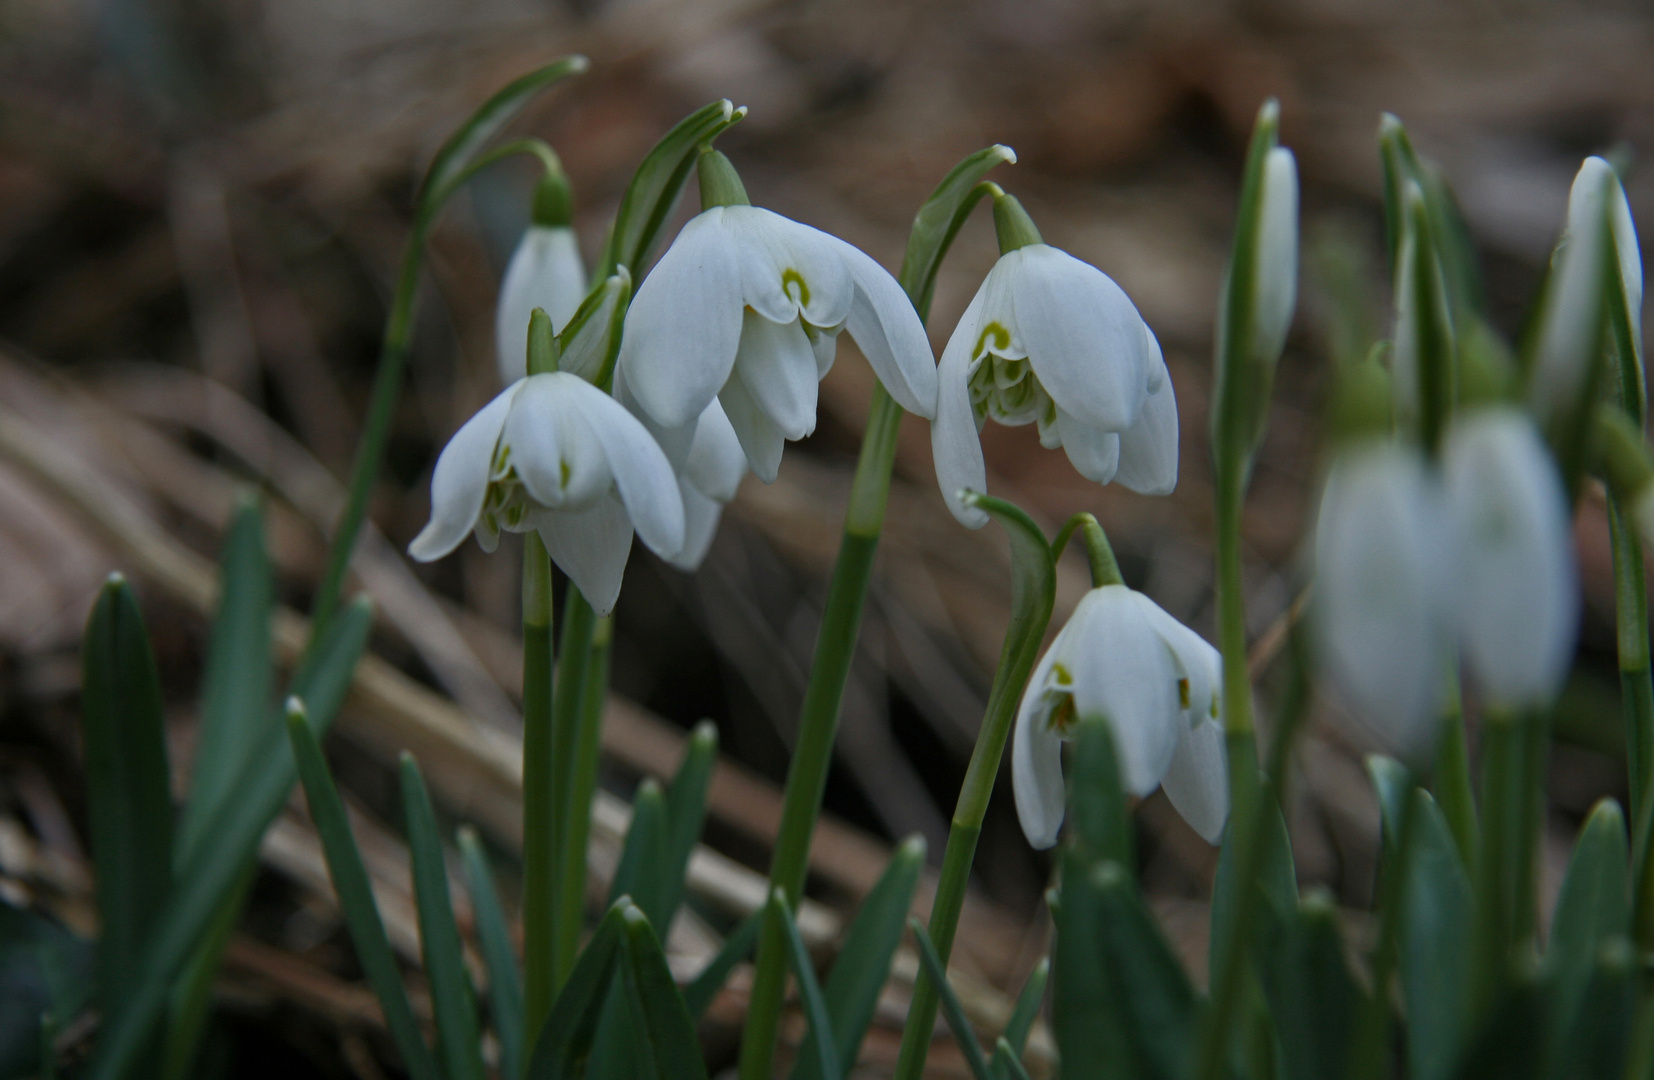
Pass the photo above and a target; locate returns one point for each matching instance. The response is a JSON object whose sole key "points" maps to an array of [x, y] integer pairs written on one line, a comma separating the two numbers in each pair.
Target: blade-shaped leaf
{"points": [[210, 880], [737, 947], [1277, 878], [1599, 1038], [1435, 945], [644, 850], [821, 1028], [565, 1041], [1006, 1057], [459, 1043], [685, 816], [1593, 908], [939, 220], [484, 124], [1159, 1003], [1099, 825], [1022, 1021], [667, 1043], [1508, 1044], [237, 683], [1087, 1015], [952, 1007], [851, 993], [355, 891], [1313, 999], [505, 979], [129, 803]]}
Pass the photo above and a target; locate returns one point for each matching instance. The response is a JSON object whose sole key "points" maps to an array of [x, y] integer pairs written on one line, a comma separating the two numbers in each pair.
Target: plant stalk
{"points": [[568, 702], [540, 819], [582, 787]]}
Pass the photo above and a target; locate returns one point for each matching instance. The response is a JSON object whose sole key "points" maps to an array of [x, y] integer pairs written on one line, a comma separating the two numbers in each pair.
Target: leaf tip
{"points": [[912, 849], [295, 708], [1003, 153], [704, 736]]}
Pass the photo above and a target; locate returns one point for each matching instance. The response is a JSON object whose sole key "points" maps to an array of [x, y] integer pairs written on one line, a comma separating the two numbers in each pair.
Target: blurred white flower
{"points": [[1275, 273], [746, 307], [1122, 659], [555, 454], [545, 272], [1053, 341]]}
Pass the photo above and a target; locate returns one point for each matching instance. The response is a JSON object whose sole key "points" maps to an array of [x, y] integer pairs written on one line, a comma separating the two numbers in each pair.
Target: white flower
{"points": [[1155, 682], [545, 272], [1516, 584], [745, 307], [555, 454], [1381, 617], [1275, 274], [1051, 340]]}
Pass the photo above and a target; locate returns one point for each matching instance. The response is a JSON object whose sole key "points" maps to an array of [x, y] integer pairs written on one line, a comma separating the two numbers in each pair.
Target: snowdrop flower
{"points": [[545, 272], [1517, 588], [555, 454], [1121, 658], [1381, 618], [746, 307], [1053, 341]]}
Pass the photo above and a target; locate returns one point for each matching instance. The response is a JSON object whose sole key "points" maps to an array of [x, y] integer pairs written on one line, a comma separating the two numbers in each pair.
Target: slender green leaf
{"points": [[1508, 1044], [1435, 945], [939, 220], [644, 850], [851, 993], [459, 1043], [1598, 1039], [1391, 781], [1313, 999], [237, 683], [355, 891], [737, 947], [1088, 1017], [469, 138], [667, 1040], [192, 991], [1007, 1057], [565, 1041], [685, 816], [46, 972], [1593, 908], [1021, 1022], [1277, 878], [1160, 1004], [505, 979], [1099, 825], [129, 803], [657, 185], [815, 1007], [952, 1008]]}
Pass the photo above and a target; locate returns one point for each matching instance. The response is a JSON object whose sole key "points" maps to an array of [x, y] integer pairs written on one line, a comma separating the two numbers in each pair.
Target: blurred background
{"points": [[201, 209]]}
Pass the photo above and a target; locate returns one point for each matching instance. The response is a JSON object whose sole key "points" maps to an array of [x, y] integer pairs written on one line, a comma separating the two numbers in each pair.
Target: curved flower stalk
{"points": [[556, 455], [545, 272], [1053, 341], [746, 307], [1155, 681]]}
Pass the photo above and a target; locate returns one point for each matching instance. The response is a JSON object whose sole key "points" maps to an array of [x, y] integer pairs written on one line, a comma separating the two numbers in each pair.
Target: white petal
{"points": [[1148, 449], [676, 441], [955, 443], [1125, 673], [550, 442], [1381, 579], [824, 343], [759, 436], [1567, 328], [1276, 260], [1036, 762], [883, 323], [642, 475], [1094, 452], [1201, 665], [778, 366], [715, 462], [545, 272], [591, 547], [1083, 335], [1197, 781], [1519, 591], [460, 481], [700, 523], [684, 324], [789, 269]]}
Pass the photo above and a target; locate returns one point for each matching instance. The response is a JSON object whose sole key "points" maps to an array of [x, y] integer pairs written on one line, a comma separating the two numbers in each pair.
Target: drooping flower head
{"points": [[545, 272], [1121, 658], [1053, 341], [746, 306]]}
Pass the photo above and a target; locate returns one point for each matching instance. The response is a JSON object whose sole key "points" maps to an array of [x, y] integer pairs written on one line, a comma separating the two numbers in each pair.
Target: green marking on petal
{"points": [[1001, 338], [1183, 693], [1061, 675], [791, 278], [1062, 717], [562, 473]]}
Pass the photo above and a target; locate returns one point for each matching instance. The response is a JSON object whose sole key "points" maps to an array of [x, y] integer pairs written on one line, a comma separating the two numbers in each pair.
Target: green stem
{"points": [[1451, 782], [1631, 625], [1371, 1048], [568, 703], [582, 786], [539, 816], [818, 723], [1505, 864]]}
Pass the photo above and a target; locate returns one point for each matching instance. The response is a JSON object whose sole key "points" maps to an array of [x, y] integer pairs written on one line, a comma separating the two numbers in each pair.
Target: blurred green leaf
{"points": [[1313, 1000], [129, 806], [685, 817], [1021, 1023], [1005, 1057], [639, 874], [564, 1043], [1099, 825], [505, 979], [939, 220], [1088, 1018], [355, 891], [737, 947], [656, 187], [1598, 1039], [1278, 878], [667, 1046], [952, 1008], [851, 993], [1592, 908], [1509, 1042], [1391, 781], [1435, 945], [44, 971], [1151, 983], [459, 1043], [237, 683], [815, 1007]]}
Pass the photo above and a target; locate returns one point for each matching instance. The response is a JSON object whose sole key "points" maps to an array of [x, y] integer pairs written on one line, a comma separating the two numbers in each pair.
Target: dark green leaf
{"points": [[1088, 1016], [1313, 1000], [237, 684], [1435, 946], [851, 993], [1022, 1020], [700, 993], [1006, 1057], [685, 815], [1509, 1043], [657, 186], [505, 981], [1593, 908], [192, 991], [1099, 825], [1597, 1041], [565, 1041], [1278, 879], [484, 124], [667, 1044], [459, 1043], [939, 220], [1160, 1004], [641, 857], [952, 1008], [129, 803], [815, 1008], [355, 891], [44, 971]]}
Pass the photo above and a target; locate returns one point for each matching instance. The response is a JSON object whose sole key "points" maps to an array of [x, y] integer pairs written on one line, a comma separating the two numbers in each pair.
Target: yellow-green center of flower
{"points": [[796, 288], [1006, 388]]}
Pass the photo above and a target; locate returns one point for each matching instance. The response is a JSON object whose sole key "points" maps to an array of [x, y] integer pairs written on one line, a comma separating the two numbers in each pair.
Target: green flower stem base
{"points": [[567, 708], [1371, 1046], [582, 787], [818, 724], [1631, 625], [1451, 782], [540, 819], [1505, 867]]}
